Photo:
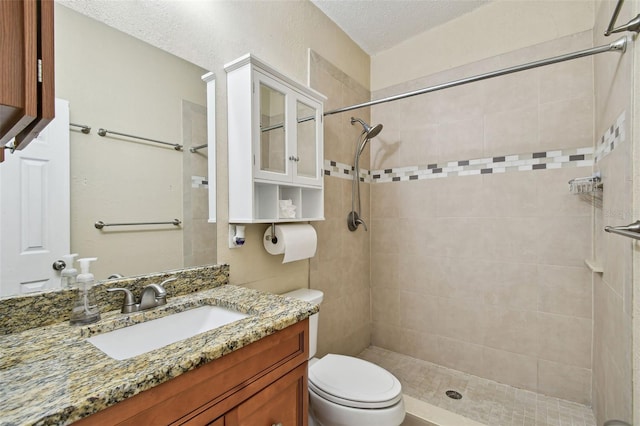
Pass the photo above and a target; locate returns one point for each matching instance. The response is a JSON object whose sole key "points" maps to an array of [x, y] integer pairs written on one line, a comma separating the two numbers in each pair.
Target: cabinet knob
{"points": [[277, 424], [292, 158]]}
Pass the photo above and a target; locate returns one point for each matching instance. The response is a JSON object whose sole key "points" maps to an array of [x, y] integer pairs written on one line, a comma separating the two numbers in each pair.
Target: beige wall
{"points": [[496, 28], [117, 82], [485, 273], [612, 290]]}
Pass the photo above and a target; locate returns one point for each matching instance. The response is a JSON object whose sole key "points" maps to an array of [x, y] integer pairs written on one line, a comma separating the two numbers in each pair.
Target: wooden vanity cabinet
{"points": [[262, 384], [27, 99]]}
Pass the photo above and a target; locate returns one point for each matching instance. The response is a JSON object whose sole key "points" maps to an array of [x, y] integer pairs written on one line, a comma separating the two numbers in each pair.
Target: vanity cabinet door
{"points": [[208, 394], [27, 100], [282, 403]]}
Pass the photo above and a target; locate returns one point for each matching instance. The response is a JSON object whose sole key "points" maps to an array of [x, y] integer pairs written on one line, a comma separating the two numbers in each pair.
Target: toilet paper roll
{"points": [[296, 241]]}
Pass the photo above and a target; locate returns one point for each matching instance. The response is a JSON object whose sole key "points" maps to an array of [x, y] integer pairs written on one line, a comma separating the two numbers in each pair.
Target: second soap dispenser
{"points": [[69, 273], [85, 309]]}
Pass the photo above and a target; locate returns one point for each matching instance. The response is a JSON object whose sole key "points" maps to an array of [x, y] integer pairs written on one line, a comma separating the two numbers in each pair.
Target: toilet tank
{"points": [[315, 297]]}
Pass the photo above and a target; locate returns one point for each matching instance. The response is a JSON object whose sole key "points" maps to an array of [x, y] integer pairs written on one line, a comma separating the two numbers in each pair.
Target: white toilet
{"points": [[348, 391]]}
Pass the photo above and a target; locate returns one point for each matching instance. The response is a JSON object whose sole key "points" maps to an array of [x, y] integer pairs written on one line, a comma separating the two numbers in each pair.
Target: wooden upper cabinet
{"points": [[27, 98]]}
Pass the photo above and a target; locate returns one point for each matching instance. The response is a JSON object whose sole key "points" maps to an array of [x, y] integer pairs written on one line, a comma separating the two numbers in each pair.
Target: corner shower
{"points": [[407, 280], [353, 218]]}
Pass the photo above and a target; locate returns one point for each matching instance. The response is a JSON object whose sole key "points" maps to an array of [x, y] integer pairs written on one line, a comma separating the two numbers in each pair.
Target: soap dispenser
{"points": [[85, 309], [69, 273]]}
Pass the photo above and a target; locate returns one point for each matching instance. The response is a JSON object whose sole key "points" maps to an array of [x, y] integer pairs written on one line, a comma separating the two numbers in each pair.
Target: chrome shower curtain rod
{"points": [[619, 45]]}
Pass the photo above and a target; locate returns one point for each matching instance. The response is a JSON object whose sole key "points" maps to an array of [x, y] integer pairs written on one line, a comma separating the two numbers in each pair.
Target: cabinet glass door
{"points": [[273, 149], [306, 160]]}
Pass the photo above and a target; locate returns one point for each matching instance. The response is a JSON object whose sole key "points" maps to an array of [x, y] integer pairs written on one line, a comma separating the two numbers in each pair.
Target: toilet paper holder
{"points": [[272, 237]]}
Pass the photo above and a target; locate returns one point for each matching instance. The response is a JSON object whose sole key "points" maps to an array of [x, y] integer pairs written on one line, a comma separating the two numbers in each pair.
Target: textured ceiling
{"points": [[377, 25]]}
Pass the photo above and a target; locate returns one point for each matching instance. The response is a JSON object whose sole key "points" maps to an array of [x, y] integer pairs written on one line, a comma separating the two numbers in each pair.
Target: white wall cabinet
{"points": [[275, 145]]}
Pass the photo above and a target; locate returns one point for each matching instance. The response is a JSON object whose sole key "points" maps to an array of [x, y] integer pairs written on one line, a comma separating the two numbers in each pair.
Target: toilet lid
{"points": [[353, 382]]}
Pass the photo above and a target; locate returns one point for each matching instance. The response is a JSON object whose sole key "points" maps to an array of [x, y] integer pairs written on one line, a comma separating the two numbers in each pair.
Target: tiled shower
{"points": [[475, 255]]}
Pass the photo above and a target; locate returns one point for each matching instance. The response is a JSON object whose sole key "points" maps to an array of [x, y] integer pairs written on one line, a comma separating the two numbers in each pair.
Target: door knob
{"points": [[59, 265]]}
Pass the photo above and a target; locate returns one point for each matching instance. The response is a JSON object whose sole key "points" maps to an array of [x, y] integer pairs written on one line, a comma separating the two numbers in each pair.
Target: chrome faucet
{"points": [[153, 295]]}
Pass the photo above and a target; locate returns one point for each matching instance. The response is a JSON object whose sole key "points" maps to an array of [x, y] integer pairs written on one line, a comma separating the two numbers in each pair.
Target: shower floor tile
{"points": [[483, 400]]}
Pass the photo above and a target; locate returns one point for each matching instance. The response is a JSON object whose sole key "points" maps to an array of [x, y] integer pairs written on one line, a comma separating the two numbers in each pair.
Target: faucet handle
{"points": [[129, 302]]}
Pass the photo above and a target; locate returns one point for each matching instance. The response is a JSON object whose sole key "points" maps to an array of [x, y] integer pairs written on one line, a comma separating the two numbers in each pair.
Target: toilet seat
{"points": [[353, 382]]}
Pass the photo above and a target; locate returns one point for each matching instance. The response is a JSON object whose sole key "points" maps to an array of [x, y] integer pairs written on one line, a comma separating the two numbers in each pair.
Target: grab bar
{"points": [[100, 224], [103, 132], [83, 127], [630, 231], [195, 148]]}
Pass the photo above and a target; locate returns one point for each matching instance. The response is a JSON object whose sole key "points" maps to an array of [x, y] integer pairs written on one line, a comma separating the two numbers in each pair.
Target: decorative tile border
{"points": [[199, 182], [344, 171], [577, 157], [611, 138]]}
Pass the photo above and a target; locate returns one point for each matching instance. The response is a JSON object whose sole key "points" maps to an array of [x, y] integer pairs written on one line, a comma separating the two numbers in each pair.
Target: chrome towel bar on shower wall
{"points": [[196, 148], [100, 224], [83, 127], [631, 231]]}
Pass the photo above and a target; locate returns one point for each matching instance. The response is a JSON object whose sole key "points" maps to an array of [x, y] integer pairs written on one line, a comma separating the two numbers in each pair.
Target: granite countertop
{"points": [[52, 375]]}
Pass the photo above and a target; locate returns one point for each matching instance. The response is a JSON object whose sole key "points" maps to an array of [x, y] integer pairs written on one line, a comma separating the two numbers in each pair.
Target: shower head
{"points": [[370, 132]]}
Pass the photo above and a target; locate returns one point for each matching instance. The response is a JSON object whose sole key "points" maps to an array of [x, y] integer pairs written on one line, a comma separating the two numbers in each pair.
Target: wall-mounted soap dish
{"points": [[586, 185]]}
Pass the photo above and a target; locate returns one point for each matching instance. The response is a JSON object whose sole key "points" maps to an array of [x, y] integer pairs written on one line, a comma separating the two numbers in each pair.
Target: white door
{"points": [[34, 209]]}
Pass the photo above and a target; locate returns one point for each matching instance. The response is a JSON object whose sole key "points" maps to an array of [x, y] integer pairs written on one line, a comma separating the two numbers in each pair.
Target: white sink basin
{"points": [[150, 335]]}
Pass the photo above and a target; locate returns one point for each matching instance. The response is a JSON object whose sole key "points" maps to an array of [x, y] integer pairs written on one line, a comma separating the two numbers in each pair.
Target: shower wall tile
{"points": [[566, 382], [512, 330], [511, 368], [481, 238], [564, 290], [457, 139], [511, 131], [459, 355], [386, 306], [388, 336], [341, 267], [567, 123], [514, 286], [552, 199], [566, 241], [566, 80], [513, 91], [565, 339]]}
